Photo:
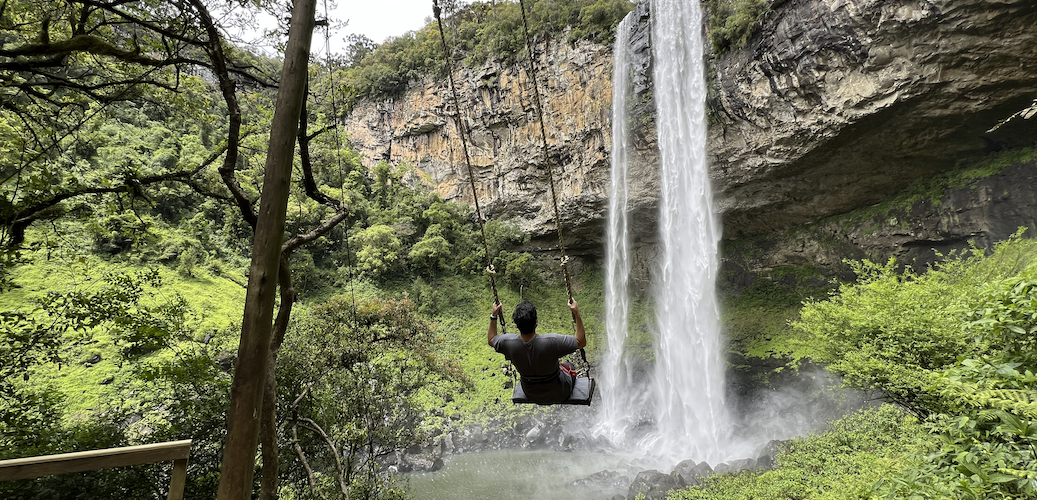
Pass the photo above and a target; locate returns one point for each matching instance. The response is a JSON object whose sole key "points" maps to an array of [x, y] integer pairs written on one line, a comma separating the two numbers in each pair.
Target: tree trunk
{"points": [[269, 484], [243, 416]]}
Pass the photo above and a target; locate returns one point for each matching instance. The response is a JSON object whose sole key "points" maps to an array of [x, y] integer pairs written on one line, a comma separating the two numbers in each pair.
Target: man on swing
{"points": [[544, 379]]}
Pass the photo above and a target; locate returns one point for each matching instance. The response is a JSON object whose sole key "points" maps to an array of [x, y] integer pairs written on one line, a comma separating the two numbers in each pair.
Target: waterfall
{"points": [[687, 387], [689, 369], [617, 374]]}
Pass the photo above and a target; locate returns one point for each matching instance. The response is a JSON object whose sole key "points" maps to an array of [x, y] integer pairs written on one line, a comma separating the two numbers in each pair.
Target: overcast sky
{"points": [[380, 19]]}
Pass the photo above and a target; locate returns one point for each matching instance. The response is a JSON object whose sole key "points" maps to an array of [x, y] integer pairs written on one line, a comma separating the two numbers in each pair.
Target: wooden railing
{"points": [[48, 465]]}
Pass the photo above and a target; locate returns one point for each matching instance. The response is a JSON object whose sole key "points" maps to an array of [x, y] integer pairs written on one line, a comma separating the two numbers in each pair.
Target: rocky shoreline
{"points": [[549, 433]]}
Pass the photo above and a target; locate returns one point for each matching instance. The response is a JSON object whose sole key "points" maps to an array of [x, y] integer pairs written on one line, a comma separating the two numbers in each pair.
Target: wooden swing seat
{"points": [[583, 393]]}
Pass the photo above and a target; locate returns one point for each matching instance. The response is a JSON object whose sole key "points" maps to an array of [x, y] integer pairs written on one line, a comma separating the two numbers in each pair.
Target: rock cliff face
{"points": [[982, 212], [834, 105], [505, 147]]}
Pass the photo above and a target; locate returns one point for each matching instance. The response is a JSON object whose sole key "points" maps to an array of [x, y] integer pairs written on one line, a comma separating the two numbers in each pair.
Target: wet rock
{"points": [[448, 443], [424, 463], [736, 465], [477, 436], [693, 473], [654, 485], [567, 442], [766, 458], [419, 458], [96, 358], [226, 360], [533, 434]]}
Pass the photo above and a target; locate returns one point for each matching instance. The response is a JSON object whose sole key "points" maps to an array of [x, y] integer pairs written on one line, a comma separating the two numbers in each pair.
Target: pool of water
{"points": [[518, 475]]}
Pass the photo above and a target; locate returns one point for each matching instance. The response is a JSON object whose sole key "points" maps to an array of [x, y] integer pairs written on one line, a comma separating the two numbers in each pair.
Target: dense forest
{"points": [[134, 142], [135, 136]]}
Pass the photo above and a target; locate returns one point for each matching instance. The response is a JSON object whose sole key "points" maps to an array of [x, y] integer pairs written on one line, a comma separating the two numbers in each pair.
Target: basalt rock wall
{"points": [[504, 146], [837, 104]]}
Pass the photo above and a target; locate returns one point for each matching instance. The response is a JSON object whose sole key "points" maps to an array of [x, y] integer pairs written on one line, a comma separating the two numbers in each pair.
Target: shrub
{"points": [[842, 462], [889, 331], [379, 250], [731, 22], [955, 344], [984, 445]]}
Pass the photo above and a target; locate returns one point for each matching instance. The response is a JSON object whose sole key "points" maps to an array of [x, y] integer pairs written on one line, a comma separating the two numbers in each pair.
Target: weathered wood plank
{"points": [[179, 479], [31, 467]]}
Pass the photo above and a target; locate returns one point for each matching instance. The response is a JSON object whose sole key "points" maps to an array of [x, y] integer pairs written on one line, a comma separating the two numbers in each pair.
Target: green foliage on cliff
{"points": [[756, 316], [477, 33], [933, 188], [731, 22]]}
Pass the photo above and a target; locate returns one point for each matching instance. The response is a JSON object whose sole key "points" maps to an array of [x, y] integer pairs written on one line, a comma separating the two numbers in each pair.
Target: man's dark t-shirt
{"points": [[537, 364]]}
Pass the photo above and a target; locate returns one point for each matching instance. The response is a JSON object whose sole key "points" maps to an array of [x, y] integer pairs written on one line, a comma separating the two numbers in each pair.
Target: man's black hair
{"points": [[525, 317]]}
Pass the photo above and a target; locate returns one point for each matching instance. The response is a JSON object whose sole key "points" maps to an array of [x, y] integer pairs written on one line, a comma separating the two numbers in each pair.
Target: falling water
{"points": [[617, 375], [689, 384], [687, 392]]}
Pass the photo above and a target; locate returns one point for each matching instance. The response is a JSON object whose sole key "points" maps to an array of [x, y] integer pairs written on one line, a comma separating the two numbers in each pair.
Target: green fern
{"points": [[1017, 401]]}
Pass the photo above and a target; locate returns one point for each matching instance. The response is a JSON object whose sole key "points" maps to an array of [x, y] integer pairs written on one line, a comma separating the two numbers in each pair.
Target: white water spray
{"points": [[617, 377], [687, 391], [689, 386]]}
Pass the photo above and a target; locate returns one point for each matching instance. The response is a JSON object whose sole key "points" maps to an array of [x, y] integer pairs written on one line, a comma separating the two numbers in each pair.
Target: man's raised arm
{"points": [[581, 335], [491, 332]]}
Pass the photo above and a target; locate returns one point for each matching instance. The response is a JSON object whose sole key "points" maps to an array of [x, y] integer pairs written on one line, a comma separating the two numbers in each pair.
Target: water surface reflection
{"points": [[519, 475]]}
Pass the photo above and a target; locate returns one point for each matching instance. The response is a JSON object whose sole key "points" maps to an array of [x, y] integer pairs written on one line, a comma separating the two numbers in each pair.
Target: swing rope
{"points": [[550, 170], [543, 140], [468, 161], [338, 156], [365, 401], [547, 159]]}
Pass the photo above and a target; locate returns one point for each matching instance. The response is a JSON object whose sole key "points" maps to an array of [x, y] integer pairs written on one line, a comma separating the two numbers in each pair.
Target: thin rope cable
{"points": [[338, 156], [342, 206], [547, 159], [468, 161]]}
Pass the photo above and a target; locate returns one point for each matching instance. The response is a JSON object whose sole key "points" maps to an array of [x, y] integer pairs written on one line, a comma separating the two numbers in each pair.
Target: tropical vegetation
{"points": [[134, 139]]}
